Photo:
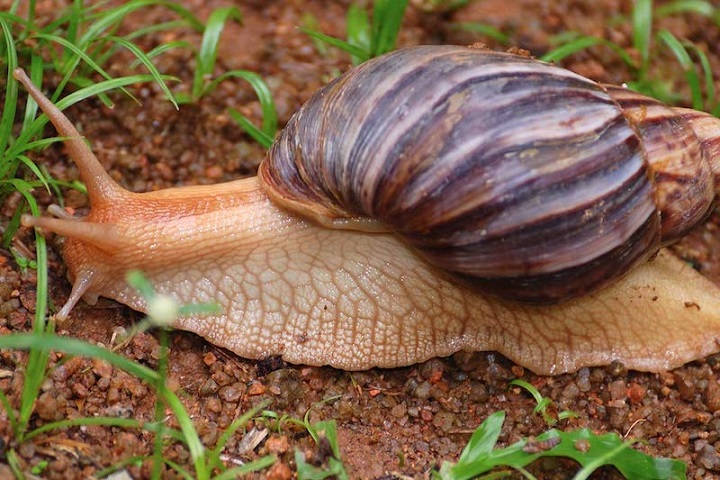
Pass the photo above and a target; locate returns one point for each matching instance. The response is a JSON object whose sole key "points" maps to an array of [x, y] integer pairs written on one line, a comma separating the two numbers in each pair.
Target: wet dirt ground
{"points": [[403, 421]]}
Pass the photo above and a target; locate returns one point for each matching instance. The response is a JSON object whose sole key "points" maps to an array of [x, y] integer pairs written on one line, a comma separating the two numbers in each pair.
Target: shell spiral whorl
{"points": [[525, 178]]}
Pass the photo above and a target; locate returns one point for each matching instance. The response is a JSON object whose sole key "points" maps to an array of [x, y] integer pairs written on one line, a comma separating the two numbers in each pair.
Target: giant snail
{"points": [[434, 199]]}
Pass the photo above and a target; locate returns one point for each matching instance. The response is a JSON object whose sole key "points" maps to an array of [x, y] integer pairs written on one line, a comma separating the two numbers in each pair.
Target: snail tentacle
{"points": [[103, 236], [80, 289], [99, 184]]}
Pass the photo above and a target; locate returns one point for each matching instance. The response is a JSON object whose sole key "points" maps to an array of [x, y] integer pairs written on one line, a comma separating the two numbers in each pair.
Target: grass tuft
{"points": [[645, 43], [590, 450], [366, 39]]}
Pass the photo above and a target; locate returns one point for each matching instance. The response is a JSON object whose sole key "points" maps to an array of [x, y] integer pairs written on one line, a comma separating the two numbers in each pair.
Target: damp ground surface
{"points": [[403, 421]]}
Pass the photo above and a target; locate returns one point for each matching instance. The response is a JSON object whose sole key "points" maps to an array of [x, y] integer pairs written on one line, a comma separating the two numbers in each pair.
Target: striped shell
{"points": [[525, 178]]}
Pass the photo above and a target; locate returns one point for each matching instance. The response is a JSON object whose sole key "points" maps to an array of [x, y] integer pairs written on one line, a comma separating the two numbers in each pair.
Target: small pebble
{"points": [[209, 359], [571, 391], [582, 379], [618, 417], [422, 391], [478, 392], [279, 471], [399, 410], [685, 385], [618, 390], [26, 450], [231, 393], [222, 378], [432, 370], [636, 393], [277, 444], [712, 395], [214, 172], [214, 405], [256, 388], [49, 406], [112, 396], [101, 368], [444, 420], [709, 458], [208, 388]]}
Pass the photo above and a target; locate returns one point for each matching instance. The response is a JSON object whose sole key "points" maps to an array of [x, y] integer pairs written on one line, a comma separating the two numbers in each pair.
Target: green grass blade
{"points": [[599, 461], [601, 450], [23, 25], [160, 49], [73, 346], [255, 133], [109, 20], [207, 54], [180, 470], [687, 64], [359, 32], [192, 20], [710, 101], [157, 27], [84, 421], [105, 421], [35, 170], [214, 454], [14, 464], [11, 90], [79, 52], [642, 32], [37, 70], [579, 43], [310, 23], [38, 357], [341, 44], [74, 18], [12, 419], [484, 29], [31, 8], [36, 145], [571, 47], [82, 82], [250, 467], [119, 465], [145, 60], [160, 405], [267, 104], [192, 440], [530, 388], [387, 21], [70, 65], [686, 6], [137, 280]]}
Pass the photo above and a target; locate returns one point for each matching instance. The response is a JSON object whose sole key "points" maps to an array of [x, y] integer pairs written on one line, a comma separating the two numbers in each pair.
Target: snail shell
{"points": [[522, 177]]}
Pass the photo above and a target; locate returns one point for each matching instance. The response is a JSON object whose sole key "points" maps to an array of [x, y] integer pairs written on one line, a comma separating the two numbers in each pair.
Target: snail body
{"points": [[392, 224]]}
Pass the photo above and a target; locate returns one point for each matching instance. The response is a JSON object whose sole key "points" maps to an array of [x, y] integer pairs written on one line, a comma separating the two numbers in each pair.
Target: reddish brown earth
{"points": [[395, 422]]}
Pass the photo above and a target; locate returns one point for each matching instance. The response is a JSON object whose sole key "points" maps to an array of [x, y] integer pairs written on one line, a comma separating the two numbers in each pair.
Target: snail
{"points": [[431, 200]]}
